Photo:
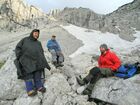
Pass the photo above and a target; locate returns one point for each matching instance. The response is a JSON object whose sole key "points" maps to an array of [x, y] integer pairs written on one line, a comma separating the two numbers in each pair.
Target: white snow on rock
{"points": [[93, 39]]}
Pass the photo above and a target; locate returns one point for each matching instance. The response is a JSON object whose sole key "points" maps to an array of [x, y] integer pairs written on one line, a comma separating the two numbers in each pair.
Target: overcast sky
{"points": [[99, 6]]}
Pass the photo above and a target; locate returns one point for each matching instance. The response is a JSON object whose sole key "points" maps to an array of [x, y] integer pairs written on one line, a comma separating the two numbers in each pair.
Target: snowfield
{"points": [[93, 39]]}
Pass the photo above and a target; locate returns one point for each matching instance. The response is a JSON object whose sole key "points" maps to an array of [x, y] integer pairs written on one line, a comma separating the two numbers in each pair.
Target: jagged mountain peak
{"points": [[123, 21]]}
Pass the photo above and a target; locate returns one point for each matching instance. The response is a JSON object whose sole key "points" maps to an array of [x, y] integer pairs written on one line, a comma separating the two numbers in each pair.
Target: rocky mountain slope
{"points": [[15, 14], [124, 21], [62, 87], [59, 90], [60, 83]]}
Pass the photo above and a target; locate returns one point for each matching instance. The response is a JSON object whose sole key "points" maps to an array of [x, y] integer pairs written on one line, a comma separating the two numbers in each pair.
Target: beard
{"points": [[102, 52]]}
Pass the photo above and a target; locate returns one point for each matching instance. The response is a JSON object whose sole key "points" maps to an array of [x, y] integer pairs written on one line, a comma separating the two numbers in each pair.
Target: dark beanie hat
{"points": [[104, 46], [36, 30]]}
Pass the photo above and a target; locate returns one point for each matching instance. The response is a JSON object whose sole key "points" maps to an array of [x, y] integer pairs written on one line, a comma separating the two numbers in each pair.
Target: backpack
{"points": [[128, 70]]}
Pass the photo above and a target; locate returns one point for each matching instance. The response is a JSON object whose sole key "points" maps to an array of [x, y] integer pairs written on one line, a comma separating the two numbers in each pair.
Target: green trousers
{"points": [[94, 75]]}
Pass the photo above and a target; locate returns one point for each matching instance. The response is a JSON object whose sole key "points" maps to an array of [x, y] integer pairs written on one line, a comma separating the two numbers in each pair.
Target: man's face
{"points": [[102, 50], [53, 38], [36, 35]]}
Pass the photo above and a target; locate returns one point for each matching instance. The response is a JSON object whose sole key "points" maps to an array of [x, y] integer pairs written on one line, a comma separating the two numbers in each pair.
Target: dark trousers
{"points": [[95, 74], [34, 80]]}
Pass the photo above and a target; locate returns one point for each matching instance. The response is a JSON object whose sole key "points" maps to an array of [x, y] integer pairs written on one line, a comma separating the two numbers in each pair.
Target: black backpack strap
{"points": [[43, 74]]}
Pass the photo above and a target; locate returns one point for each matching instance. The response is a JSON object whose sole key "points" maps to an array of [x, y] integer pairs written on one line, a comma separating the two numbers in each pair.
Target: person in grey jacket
{"points": [[30, 55]]}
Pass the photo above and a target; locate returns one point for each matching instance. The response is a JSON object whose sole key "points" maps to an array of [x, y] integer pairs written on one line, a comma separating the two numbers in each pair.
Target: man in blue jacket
{"points": [[56, 52]]}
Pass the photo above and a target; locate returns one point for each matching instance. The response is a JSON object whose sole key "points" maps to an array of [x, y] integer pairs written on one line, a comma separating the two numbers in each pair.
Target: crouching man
{"points": [[56, 52], [108, 63], [30, 62]]}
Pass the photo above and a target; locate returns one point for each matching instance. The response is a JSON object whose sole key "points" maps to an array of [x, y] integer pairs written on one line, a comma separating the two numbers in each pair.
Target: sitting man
{"points": [[56, 52], [108, 63]]}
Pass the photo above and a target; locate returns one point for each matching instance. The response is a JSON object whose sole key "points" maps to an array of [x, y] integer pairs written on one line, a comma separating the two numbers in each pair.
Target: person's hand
{"points": [[49, 68]]}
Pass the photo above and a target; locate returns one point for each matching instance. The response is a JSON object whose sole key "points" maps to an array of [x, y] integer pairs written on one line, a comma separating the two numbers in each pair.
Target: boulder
{"points": [[119, 91], [11, 87]]}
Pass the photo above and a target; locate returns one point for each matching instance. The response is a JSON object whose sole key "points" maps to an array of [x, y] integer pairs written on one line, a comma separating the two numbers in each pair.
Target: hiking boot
{"points": [[60, 65], [55, 64], [80, 81], [32, 93], [42, 89], [87, 92], [88, 89]]}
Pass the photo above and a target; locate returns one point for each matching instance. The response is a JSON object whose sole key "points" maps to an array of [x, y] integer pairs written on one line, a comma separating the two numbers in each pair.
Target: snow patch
{"points": [[93, 39]]}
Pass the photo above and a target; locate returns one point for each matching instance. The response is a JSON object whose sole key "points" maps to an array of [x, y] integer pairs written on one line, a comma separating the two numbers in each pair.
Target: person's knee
{"points": [[54, 56], [95, 71], [106, 72], [38, 79], [53, 52]]}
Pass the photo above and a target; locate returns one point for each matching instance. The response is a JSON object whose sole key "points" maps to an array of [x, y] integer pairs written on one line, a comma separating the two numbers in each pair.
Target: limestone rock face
{"points": [[82, 17], [124, 21], [16, 13], [11, 88], [54, 12]]}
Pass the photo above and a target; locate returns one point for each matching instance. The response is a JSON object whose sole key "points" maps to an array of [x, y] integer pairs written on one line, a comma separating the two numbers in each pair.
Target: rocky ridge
{"points": [[124, 21], [16, 14]]}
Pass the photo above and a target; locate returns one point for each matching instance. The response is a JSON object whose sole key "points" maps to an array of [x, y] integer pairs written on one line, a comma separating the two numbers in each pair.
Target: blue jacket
{"points": [[53, 44]]}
